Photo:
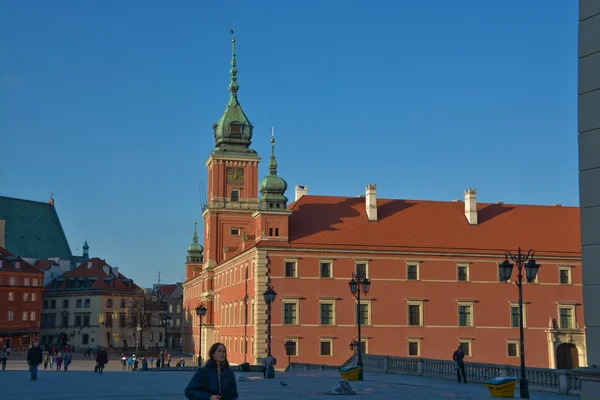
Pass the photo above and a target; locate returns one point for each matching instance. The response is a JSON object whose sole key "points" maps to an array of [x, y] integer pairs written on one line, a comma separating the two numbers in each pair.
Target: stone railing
{"points": [[540, 379]]}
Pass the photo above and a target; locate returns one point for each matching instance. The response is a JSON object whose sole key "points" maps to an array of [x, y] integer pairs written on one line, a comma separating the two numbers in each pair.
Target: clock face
{"points": [[235, 176]]}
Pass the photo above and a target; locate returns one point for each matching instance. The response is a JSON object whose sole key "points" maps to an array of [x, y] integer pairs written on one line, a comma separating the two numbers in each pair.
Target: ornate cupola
{"points": [[233, 132], [195, 250], [273, 187]]}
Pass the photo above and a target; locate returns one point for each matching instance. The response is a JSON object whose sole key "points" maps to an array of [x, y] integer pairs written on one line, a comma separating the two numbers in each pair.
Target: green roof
{"points": [[33, 229]]}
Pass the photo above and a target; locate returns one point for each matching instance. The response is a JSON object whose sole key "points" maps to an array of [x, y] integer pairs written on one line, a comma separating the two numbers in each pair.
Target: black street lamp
{"points": [[269, 296], [357, 284], [526, 261], [290, 349], [200, 312], [166, 323]]}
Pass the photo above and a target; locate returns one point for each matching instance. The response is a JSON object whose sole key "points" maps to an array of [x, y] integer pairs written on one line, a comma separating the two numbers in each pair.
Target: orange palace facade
{"points": [[433, 267]]}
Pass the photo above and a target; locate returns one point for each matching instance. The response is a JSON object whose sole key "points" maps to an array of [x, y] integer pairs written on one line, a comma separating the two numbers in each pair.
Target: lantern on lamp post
{"points": [[200, 312], [359, 284]]}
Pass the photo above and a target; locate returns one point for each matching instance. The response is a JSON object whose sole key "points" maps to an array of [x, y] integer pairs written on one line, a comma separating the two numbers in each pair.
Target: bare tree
{"points": [[140, 316]]}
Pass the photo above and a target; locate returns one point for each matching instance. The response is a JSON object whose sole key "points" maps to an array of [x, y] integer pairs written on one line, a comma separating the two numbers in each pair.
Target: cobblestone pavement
{"points": [[72, 385]]}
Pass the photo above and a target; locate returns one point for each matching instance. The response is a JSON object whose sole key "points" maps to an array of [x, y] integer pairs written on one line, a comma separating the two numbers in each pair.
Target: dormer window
{"points": [[17, 264], [235, 195], [235, 129]]}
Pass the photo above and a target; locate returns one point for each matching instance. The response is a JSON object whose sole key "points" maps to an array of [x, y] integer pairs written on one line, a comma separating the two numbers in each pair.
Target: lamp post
{"points": [[358, 284], [139, 338], [269, 296], [166, 323], [290, 347], [526, 261], [200, 312]]}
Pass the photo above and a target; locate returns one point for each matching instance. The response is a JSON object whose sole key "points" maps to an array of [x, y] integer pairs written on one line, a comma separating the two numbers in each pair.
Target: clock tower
{"points": [[232, 178]]}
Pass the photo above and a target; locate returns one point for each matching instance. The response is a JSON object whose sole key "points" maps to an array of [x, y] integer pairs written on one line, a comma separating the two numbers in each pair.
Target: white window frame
{"points": [[33, 296], [10, 316], [368, 303], [514, 304], [326, 340], [366, 263], [34, 282], [330, 262], [25, 296], [11, 296], [413, 264], [467, 267], [25, 316], [570, 274], [25, 281], [419, 303], [516, 343], [470, 342], [408, 343], [333, 316], [12, 281], [231, 195], [234, 231], [472, 313], [290, 260], [285, 301], [366, 342], [32, 316], [573, 309]]}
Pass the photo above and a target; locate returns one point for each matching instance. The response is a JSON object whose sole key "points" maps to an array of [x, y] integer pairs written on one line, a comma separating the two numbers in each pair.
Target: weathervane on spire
{"points": [[233, 86]]}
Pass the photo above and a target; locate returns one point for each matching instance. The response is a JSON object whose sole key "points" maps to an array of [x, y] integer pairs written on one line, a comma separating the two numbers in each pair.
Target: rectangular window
{"points": [[122, 322], [564, 276], [78, 303], [25, 296], [109, 303], [122, 304], [566, 317], [86, 320], [235, 231], [514, 316], [326, 313], [86, 303], [160, 336], [325, 269], [108, 320], [34, 282], [32, 316], [414, 315], [289, 313], [65, 304], [33, 297], [235, 195], [25, 316], [78, 320], [361, 270], [462, 273], [465, 315], [11, 281], [290, 269], [45, 304], [412, 272], [10, 315], [86, 339], [11, 296], [363, 314], [512, 349], [363, 347], [466, 346], [26, 282], [414, 347], [326, 347], [52, 304]]}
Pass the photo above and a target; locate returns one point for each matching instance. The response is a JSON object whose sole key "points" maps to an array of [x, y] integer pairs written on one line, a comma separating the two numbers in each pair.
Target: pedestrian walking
{"points": [[459, 363], [214, 381], [101, 359], [34, 359]]}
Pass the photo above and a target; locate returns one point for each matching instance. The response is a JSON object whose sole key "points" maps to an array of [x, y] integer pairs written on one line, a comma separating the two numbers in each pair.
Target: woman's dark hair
{"points": [[213, 350]]}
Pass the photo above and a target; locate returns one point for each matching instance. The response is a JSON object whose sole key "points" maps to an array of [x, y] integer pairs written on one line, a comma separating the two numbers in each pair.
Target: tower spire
{"points": [[195, 249], [272, 162], [233, 86]]}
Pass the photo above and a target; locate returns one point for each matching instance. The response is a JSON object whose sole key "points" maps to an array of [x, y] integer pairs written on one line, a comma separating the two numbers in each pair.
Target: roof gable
{"points": [[33, 229]]}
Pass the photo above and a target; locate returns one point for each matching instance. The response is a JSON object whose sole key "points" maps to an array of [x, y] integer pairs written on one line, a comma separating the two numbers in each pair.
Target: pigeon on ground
{"points": [[283, 384]]}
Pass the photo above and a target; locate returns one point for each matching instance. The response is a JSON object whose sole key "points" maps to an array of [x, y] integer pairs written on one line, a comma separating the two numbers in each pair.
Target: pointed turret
{"points": [[272, 186], [195, 249], [233, 132], [86, 251]]}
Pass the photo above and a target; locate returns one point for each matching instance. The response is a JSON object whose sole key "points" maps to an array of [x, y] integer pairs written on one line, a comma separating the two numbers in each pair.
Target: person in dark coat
{"points": [[101, 359], [459, 359], [35, 356], [214, 381]]}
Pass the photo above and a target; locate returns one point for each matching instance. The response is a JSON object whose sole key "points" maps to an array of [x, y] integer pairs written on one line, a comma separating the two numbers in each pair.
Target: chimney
{"points": [[301, 191], [371, 202], [106, 269], [115, 271], [471, 206]]}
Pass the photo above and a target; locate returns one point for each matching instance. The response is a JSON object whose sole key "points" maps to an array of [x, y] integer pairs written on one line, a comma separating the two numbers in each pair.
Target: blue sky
{"points": [[109, 105]]}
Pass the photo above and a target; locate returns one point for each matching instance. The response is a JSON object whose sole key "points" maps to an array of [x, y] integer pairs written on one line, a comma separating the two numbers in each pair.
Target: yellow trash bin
{"points": [[502, 386], [350, 373]]}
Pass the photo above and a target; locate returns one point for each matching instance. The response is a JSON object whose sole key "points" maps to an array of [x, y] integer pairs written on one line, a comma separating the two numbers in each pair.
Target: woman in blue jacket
{"points": [[214, 381]]}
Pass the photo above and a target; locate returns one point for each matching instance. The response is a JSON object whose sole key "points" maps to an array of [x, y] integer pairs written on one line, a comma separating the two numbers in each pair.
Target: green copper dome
{"points": [[233, 132], [273, 187], [195, 249]]}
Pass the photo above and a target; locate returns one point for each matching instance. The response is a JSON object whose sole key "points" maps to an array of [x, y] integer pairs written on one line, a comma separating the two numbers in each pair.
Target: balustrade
{"points": [[540, 379]]}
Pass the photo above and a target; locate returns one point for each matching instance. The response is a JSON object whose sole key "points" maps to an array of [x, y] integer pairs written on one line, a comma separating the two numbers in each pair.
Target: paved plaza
{"points": [[80, 384]]}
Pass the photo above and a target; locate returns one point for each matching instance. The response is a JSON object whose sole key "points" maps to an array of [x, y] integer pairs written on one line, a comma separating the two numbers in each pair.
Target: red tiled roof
{"points": [[44, 265], [326, 222], [167, 289], [94, 268], [8, 262]]}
